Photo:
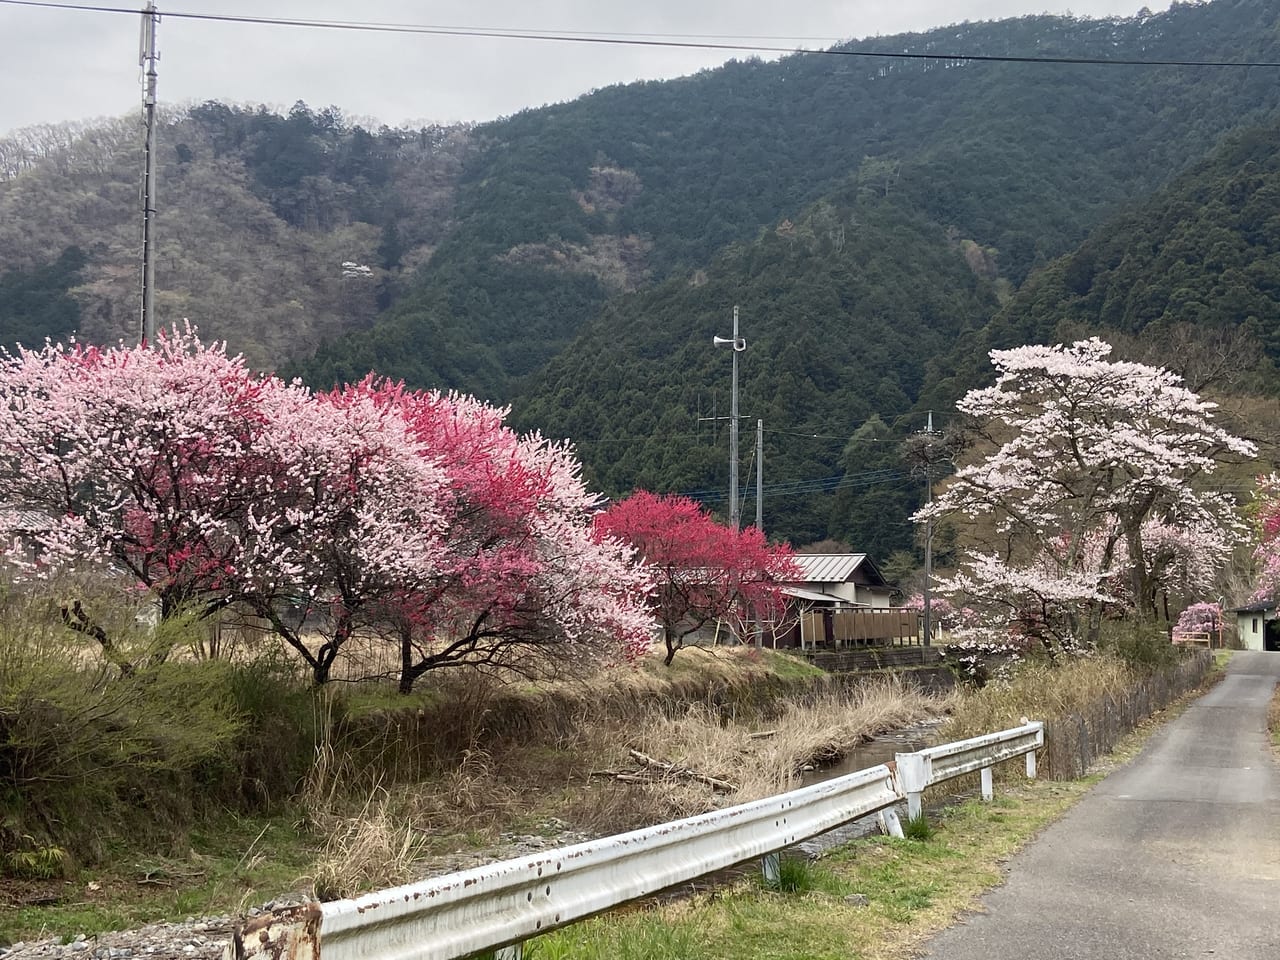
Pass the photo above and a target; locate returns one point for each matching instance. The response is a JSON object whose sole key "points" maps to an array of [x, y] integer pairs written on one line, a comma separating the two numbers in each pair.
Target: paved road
{"points": [[1175, 855]]}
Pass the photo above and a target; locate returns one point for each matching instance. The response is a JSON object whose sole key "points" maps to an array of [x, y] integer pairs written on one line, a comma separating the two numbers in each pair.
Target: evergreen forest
{"points": [[879, 223]]}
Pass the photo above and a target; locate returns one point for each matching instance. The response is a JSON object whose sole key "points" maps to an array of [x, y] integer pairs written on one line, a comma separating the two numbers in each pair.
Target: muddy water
{"points": [[878, 750]]}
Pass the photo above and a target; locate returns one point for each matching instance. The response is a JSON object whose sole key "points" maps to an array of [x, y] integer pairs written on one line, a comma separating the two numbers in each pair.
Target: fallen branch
{"points": [[684, 773], [623, 777]]}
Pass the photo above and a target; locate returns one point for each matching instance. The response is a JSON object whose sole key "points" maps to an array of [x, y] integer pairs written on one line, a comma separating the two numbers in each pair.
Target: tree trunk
{"points": [[407, 675], [673, 644], [1144, 594]]}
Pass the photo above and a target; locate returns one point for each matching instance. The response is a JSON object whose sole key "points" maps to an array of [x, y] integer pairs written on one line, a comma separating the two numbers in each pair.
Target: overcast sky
{"points": [[58, 65]]}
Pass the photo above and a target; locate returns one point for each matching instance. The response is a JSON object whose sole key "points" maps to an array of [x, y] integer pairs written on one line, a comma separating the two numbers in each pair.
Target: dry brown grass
{"points": [[1039, 692], [820, 730], [378, 847]]}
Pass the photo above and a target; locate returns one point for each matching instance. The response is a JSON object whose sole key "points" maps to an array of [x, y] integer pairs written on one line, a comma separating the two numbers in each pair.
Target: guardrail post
{"points": [[988, 792], [1031, 765], [771, 867], [914, 771], [890, 823], [513, 952]]}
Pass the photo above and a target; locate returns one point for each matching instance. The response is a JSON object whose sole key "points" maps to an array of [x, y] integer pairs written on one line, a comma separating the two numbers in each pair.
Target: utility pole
{"points": [[760, 475], [759, 510], [928, 543], [147, 59], [738, 344]]}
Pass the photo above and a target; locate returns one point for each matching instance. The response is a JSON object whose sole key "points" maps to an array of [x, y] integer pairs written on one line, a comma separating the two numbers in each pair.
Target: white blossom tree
{"points": [[1088, 494]]}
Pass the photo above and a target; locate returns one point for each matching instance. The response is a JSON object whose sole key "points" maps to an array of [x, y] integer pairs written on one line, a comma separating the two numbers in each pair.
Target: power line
{"points": [[617, 39], [795, 488]]}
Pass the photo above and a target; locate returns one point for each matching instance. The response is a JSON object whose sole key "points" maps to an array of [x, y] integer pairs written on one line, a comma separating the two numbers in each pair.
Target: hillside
{"points": [[568, 206], [258, 213], [1204, 251]]}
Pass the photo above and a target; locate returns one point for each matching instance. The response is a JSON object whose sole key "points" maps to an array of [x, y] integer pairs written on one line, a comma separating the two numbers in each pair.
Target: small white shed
{"points": [[1258, 625]]}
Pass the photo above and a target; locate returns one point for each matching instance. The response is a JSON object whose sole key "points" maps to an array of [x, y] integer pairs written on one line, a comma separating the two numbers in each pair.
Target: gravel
{"points": [[204, 938]]}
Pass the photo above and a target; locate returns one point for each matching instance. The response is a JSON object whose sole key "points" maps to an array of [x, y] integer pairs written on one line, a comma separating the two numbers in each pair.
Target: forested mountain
{"points": [[258, 213], [870, 216], [1204, 251], [568, 205], [837, 325]]}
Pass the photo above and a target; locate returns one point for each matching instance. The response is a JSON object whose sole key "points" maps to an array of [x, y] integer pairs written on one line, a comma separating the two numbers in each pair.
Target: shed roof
{"points": [[24, 519], [837, 568], [812, 595], [1262, 607]]}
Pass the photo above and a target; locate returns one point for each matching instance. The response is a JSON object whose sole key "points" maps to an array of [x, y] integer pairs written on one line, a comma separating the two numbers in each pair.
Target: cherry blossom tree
{"points": [[1203, 618], [141, 461], [703, 571], [1088, 483], [1267, 552], [524, 581]]}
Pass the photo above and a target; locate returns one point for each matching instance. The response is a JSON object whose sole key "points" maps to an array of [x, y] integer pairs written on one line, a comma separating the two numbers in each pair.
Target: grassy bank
{"points": [[354, 789]]}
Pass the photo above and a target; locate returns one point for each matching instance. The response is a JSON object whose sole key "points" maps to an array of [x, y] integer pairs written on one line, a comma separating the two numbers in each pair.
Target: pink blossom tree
{"points": [[142, 462], [703, 571], [354, 521], [525, 581], [1200, 618], [1089, 459], [367, 512]]}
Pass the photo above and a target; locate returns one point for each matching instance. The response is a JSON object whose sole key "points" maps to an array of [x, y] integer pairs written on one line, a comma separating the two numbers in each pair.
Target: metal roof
{"points": [[828, 567], [1261, 607], [811, 595], [24, 519]]}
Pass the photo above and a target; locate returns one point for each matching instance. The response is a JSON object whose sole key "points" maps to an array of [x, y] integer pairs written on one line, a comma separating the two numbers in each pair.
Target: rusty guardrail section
{"points": [[924, 768], [502, 904]]}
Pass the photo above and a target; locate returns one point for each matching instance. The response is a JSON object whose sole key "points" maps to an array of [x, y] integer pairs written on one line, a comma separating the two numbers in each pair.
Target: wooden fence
{"points": [[844, 628]]}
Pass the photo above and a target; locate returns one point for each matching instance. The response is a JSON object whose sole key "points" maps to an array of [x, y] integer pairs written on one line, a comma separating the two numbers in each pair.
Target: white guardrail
{"points": [[502, 904]]}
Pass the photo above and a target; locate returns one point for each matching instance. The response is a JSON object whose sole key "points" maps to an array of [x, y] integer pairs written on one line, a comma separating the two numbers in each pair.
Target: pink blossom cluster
{"points": [[945, 614], [418, 518], [1199, 618]]}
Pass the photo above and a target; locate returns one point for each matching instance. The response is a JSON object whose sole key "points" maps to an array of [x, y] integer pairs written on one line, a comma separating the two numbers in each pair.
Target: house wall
{"points": [[1250, 629], [847, 592], [877, 598]]}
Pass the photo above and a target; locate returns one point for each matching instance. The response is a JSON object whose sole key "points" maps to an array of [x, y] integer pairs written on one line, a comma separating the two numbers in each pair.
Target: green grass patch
{"points": [[798, 875], [231, 863], [918, 828]]}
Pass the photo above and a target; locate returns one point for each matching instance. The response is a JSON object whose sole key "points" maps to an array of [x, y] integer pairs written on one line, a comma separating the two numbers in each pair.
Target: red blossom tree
{"points": [[523, 581], [703, 571]]}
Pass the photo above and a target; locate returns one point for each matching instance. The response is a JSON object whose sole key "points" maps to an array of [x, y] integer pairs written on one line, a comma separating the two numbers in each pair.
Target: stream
{"points": [[877, 750]]}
